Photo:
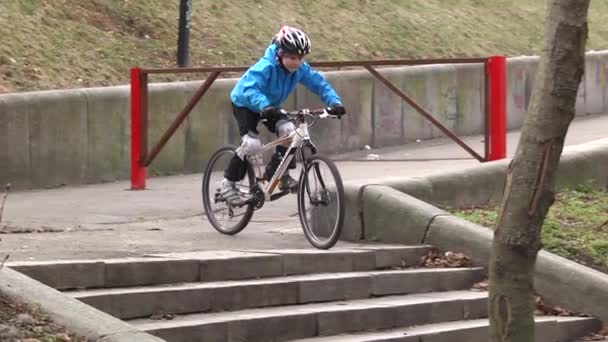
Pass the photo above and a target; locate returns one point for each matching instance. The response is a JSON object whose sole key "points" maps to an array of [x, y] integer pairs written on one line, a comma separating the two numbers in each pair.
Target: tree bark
{"points": [[529, 190]]}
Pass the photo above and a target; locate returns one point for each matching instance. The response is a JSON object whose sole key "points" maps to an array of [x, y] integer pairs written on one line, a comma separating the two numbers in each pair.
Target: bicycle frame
{"points": [[297, 139]]}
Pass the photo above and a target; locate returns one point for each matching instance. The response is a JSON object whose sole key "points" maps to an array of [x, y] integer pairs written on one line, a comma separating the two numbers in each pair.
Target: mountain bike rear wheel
{"points": [[224, 217]]}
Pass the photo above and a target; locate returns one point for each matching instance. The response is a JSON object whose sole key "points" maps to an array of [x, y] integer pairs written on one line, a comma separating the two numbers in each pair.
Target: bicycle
{"points": [[322, 204]]}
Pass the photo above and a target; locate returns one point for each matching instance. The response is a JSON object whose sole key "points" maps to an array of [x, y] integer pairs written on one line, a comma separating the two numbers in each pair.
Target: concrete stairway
{"points": [[365, 293]]}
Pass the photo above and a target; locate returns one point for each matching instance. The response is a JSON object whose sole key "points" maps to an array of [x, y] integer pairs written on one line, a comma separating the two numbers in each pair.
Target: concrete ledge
{"points": [[484, 184], [571, 285], [419, 187], [64, 274], [72, 274], [585, 163], [71, 313], [352, 228], [391, 214]]}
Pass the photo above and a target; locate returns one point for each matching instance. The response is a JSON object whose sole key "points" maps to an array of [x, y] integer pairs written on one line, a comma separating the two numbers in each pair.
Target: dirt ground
{"points": [[22, 323]]}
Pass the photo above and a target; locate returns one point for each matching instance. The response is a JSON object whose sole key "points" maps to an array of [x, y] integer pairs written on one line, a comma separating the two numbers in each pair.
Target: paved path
{"points": [[108, 220]]}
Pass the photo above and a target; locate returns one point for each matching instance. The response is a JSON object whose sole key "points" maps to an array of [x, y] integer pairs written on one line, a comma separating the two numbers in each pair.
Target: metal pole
{"points": [[486, 110], [497, 66], [138, 171], [183, 39]]}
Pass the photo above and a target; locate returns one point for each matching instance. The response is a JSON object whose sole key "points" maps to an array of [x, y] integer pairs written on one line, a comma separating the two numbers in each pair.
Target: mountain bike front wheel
{"points": [[321, 202]]}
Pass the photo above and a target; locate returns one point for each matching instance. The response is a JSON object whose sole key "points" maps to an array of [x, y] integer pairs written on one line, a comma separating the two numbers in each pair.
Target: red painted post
{"points": [[138, 171], [497, 72]]}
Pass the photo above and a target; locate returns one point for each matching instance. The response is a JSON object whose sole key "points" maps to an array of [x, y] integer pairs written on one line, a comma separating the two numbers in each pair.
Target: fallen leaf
{"points": [[434, 259], [162, 316]]}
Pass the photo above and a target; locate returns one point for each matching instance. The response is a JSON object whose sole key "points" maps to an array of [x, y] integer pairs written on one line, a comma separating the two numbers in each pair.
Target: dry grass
{"points": [[73, 43]]}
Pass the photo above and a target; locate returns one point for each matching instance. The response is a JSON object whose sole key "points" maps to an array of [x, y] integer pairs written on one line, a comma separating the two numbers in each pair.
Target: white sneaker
{"points": [[230, 192]]}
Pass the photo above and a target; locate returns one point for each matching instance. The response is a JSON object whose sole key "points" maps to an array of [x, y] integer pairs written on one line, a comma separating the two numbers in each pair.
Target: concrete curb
{"points": [[383, 206], [476, 186], [388, 213], [71, 313]]}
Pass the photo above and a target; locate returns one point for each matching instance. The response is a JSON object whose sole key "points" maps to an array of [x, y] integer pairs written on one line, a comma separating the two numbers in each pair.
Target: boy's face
{"points": [[292, 61]]}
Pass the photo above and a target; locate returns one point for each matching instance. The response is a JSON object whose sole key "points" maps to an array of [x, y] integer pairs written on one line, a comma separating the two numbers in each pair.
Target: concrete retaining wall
{"points": [[78, 136], [481, 185], [404, 212]]}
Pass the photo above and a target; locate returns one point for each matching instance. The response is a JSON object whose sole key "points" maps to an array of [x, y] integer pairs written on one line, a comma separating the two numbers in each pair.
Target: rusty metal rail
{"points": [[494, 93], [331, 64]]}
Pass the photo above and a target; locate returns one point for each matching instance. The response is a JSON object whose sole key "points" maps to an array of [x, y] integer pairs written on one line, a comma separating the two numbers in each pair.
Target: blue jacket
{"points": [[267, 83]]}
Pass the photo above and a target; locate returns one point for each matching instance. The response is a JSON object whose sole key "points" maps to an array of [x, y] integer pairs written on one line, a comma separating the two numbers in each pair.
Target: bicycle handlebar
{"points": [[314, 113]]}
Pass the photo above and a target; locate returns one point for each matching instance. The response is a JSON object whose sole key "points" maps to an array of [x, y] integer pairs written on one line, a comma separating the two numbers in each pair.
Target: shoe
{"points": [[288, 183], [230, 192]]}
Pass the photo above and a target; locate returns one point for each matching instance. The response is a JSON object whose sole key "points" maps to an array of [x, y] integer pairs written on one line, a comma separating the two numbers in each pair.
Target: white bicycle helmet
{"points": [[292, 40]]}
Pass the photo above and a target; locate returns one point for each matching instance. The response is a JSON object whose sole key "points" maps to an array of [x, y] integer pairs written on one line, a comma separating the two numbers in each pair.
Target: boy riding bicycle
{"points": [[260, 93]]}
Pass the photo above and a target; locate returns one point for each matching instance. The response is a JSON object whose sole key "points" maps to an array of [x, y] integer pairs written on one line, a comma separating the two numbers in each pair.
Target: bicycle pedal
{"points": [[279, 194]]}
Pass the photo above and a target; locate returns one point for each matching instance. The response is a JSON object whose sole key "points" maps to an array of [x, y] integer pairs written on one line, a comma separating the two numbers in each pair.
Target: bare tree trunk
{"points": [[529, 190]]}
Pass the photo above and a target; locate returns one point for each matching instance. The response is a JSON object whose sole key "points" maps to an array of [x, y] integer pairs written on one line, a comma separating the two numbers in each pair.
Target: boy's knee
{"points": [[250, 145], [285, 127]]}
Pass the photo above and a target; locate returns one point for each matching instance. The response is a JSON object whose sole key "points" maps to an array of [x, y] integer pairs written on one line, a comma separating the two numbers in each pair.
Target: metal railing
{"points": [[494, 93]]}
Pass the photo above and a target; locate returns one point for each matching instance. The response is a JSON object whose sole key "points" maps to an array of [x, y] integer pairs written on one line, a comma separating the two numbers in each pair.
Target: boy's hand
{"points": [[271, 113], [338, 110]]}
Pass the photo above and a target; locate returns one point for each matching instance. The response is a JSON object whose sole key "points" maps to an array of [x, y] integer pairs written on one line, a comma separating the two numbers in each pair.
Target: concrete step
{"points": [[156, 269], [548, 329], [281, 295], [321, 319], [136, 302]]}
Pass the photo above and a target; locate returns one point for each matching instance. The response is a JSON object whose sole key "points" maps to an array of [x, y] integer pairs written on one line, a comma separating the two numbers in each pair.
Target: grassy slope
{"points": [[576, 226], [72, 43]]}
